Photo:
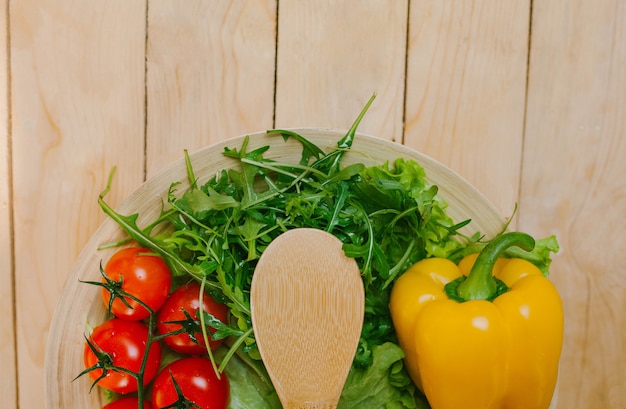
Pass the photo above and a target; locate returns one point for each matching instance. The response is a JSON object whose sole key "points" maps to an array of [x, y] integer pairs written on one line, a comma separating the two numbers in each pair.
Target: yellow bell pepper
{"points": [[486, 334]]}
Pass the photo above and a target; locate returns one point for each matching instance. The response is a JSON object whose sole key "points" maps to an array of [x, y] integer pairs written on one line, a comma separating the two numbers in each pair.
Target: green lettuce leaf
{"points": [[250, 388], [385, 384]]}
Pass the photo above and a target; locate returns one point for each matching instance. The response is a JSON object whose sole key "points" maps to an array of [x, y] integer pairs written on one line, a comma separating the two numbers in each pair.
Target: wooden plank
{"points": [[332, 56], [210, 74], [8, 386], [77, 110], [466, 75], [574, 186]]}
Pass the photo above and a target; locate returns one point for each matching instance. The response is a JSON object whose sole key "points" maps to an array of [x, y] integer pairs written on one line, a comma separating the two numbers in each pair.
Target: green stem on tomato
{"points": [[205, 335], [139, 376]]}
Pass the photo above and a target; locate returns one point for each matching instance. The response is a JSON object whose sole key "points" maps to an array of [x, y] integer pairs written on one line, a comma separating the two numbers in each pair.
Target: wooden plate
{"points": [[80, 307]]}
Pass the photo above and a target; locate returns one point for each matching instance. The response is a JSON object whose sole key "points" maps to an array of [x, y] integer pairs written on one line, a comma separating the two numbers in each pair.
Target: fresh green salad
{"points": [[388, 216]]}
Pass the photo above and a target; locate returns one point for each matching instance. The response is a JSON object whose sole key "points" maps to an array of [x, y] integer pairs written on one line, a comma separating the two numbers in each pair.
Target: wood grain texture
{"points": [[77, 71], [79, 106], [466, 81], [574, 186], [305, 288], [8, 386], [332, 56], [210, 74]]}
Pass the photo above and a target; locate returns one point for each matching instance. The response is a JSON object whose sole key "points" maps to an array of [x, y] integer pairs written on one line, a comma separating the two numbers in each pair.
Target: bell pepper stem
{"points": [[480, 283]]}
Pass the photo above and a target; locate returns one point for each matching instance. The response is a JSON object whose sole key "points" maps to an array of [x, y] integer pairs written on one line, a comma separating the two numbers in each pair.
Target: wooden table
{"points": [[527, 103]]}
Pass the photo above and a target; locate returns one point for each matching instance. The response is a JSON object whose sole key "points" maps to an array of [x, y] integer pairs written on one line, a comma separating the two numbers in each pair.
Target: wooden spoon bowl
{"points": [[307, 305]]}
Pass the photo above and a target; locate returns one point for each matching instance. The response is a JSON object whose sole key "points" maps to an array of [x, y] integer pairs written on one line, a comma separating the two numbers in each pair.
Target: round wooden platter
{"points": [[80, 307]]}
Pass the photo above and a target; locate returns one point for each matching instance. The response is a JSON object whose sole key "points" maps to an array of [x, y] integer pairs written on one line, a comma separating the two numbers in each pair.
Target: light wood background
{"points": [[525, 99]]}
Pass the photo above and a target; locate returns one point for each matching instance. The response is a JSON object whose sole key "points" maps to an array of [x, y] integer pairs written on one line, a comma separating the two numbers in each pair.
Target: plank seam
{"points": [[145, 93], [406, 68], [520, 178], [275, 62], [9, 146]]}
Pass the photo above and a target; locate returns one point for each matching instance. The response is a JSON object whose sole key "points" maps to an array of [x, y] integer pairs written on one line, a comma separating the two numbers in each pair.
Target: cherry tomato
{"points": [[197, 381], [128, 402], [144, 276], [125, 344], [186, 298]]}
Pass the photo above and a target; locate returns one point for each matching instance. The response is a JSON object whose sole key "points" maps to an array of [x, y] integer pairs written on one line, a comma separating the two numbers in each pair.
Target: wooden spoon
{"points": [[307, 305]]}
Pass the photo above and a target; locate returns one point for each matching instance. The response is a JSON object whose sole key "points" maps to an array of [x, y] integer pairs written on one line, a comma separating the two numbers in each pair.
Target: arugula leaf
{"points": [[309, 150], [196, 201]]}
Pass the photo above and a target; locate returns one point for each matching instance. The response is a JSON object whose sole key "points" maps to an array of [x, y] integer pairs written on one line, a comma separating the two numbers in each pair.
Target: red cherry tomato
{"points": [[125, 343], [186, 298], [197, 381], [144, 276], [128, 402]]}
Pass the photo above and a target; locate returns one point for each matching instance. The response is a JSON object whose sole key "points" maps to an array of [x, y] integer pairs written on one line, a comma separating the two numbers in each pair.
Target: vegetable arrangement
{"points": [[210, 237], [125, 353]]}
